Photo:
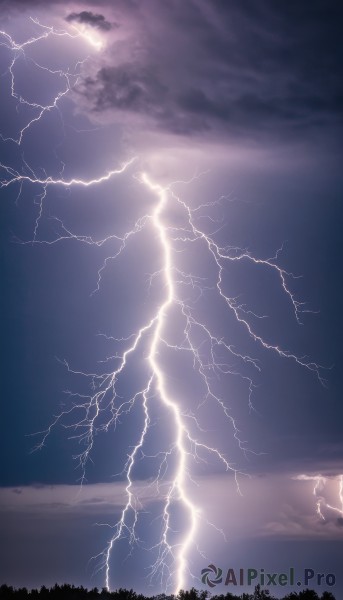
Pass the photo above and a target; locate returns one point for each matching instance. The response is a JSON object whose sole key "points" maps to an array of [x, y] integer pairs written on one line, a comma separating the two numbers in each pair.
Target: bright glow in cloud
{"points": [[320, 492], [92, 37]]}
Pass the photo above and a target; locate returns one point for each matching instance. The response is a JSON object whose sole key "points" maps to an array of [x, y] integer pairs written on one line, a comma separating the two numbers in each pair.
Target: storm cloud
{"points": [[89, 18], [255, 69]]}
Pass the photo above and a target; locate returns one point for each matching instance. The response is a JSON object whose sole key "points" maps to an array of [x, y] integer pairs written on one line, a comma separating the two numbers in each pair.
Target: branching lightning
{"points": [[319, 492], [18, 50], [103, 408]]}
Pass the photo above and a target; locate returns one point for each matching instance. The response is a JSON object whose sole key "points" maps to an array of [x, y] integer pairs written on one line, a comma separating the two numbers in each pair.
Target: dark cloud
{"points": [[249, 69], [95, 20], [92, 501], [41, 486], [128, 87]]}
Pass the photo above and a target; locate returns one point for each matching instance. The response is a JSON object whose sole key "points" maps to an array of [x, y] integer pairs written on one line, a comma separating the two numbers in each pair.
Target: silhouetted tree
{"points": [[166, 597], [6, 592], [228, 596], [261, 594], [308, 595], [70, 592], [121, 594], [22, 594], [192, 594]]}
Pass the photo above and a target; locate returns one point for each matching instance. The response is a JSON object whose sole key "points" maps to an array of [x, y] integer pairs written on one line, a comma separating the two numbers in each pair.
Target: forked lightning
{"points": [[188, 445]]}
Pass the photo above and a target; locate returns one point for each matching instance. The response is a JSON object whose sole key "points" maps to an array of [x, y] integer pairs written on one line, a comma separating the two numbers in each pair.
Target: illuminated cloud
{"points": [[280, 83], [88, 18], [254, 72]]}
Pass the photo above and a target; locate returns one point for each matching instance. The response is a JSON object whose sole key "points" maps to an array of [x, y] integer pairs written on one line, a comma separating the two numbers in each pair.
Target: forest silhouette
{"points": [[70, 592]]}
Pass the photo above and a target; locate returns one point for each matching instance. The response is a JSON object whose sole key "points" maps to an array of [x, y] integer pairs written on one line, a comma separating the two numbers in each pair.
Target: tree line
{"points": [[70, 592]]}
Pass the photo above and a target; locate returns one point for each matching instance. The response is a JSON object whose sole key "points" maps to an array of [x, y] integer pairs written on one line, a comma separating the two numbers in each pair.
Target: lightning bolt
{"points": [[70, 78], [103, 408], [320, 484]]}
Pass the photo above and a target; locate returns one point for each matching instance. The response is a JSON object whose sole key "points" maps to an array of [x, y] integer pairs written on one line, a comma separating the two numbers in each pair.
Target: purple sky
{"points": [[238, 106]]}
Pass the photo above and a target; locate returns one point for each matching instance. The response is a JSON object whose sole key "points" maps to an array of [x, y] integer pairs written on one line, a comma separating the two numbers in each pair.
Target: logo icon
{"points": [[212, 575]]}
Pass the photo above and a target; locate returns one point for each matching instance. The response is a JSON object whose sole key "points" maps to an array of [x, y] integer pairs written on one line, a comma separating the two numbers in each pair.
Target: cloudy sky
{"points": [[236, 107]]}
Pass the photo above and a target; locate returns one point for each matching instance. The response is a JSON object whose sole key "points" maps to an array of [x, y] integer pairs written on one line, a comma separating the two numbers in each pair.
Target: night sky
{"points": [[237, 107]]}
